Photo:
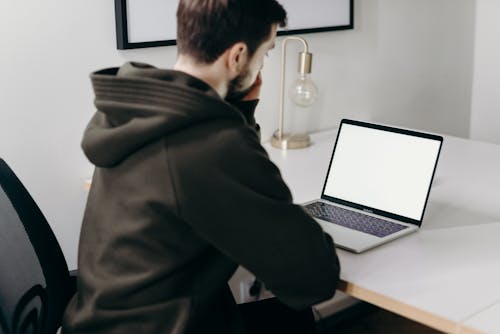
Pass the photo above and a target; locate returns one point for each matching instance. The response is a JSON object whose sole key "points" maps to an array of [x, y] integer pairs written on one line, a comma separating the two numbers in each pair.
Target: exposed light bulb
{"points": [[303, 91]]}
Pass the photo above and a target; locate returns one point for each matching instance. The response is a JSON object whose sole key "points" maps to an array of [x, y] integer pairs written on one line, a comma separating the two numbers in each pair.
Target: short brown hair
{"points": [[207, 28]]}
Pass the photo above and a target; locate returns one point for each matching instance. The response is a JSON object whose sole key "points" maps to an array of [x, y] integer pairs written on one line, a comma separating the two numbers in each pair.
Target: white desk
{"points": [[446, 274], [487, 321]]}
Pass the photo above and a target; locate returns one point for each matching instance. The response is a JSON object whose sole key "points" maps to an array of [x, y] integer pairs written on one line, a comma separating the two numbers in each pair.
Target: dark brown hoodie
{"points": [[182, 194]]}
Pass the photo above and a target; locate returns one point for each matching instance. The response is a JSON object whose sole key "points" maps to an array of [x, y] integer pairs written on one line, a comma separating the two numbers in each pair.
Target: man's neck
{"points": [[212, 74]]}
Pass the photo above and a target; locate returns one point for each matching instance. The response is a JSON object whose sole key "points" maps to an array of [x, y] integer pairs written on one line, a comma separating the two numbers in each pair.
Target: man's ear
{"points": [[237, 58]]}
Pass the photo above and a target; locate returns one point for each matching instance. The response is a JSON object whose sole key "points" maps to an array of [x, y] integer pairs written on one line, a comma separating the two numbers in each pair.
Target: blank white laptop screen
{"points": [[382, 170]]}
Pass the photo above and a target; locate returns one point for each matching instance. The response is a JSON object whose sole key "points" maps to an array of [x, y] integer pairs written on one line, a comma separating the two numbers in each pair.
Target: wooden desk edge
{"points": [[468, 330], [402, 309]]}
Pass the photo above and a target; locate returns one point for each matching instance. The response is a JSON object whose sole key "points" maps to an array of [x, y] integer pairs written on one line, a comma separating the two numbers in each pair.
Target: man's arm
{"points": [[248, 104], [234, 197]]}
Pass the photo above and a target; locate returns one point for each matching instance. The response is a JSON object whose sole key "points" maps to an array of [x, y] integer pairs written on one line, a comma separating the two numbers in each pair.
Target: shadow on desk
{"points": [[443, 215], [366, 318]]}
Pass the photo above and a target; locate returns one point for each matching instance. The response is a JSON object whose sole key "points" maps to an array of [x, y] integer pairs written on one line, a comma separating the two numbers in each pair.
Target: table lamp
{"points": [[303, 93]]}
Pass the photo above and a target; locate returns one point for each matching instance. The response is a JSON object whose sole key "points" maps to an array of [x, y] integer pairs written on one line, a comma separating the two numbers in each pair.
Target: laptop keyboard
{"points": [[353, 220]]}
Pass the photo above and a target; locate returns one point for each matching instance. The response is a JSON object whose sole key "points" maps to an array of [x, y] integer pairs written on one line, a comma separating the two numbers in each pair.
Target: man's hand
{"points": [[254, 92]]}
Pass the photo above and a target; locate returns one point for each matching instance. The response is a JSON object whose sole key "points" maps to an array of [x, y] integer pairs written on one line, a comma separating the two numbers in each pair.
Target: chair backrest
{"points": [[34, 278]]}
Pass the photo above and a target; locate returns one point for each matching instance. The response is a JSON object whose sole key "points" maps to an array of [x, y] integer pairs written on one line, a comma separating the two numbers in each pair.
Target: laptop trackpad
{"points": [[344, 236], [356, 241]]}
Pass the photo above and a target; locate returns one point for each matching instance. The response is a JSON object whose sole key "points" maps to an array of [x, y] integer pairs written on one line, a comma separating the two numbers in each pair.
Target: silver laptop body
{"points": [[377, 184]]}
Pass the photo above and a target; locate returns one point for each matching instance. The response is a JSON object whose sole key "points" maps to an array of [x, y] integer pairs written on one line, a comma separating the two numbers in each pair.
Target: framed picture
{"points": [[149, 23]]}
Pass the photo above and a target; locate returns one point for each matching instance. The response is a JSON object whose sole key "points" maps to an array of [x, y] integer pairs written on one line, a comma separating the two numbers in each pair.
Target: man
{"points": [[183, 192]]}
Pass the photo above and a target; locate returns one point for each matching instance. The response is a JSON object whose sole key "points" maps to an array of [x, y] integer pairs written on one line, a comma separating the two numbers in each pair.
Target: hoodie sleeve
{"points": [[247, 108], [233, 196]]}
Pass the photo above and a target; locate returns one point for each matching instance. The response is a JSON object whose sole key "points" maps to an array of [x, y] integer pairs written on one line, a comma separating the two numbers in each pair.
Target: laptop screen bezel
{"points": [[374, 210]]}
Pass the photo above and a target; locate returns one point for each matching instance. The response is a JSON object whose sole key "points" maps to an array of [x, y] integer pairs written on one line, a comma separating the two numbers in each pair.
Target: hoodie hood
{"points": [[138, 104]]}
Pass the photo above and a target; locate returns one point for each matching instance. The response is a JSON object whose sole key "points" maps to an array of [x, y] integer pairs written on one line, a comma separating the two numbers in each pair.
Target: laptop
{"points": [[377, 185]]}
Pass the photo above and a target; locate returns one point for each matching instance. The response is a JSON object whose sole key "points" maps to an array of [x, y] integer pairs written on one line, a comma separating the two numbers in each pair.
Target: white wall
{"points": [[485, 113], [408, 62]]}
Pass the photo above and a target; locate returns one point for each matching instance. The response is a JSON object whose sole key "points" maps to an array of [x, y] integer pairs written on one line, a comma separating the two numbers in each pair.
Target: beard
{"points": [[236, 90]]}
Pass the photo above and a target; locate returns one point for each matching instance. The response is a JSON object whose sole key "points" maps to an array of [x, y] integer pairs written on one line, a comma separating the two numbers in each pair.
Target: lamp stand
{"points": [[280, 139]]}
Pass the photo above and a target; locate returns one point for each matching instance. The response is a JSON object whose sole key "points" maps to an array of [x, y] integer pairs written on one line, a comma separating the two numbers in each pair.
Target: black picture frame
{"points": [[122, 33]]}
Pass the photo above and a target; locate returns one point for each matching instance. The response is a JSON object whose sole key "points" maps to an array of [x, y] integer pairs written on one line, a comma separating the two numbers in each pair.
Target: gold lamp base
{"points": [[290, 141]]}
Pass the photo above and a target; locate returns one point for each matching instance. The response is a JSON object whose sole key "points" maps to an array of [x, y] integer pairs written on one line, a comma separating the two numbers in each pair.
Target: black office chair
{"points": [[35, 284]]}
